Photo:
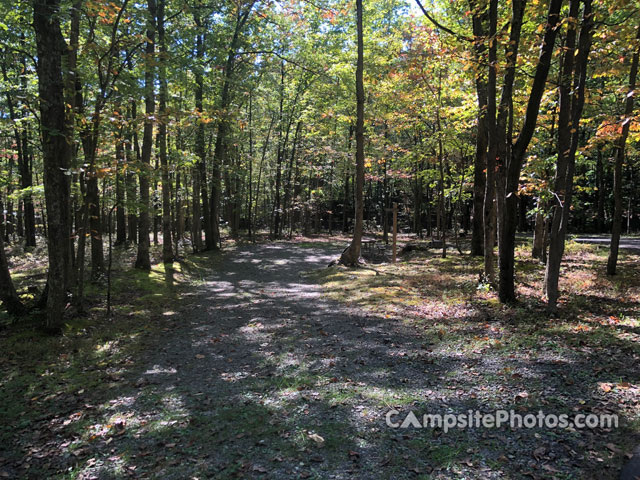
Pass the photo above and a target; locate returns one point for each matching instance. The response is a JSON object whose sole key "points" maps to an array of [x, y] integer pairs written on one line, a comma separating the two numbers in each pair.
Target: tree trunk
{"points": [[167, 250], [221, 147], [143, 260], [95, 221], [121, 219], [132, 159], [250, 174], [56, 152], [616, 228], [281, 147], [572, 90], [518, 151], [538, 234], [480, 163], [507, 202], [289, 187], [200, 193], [600, 192], [489, 208], [351, 255]]}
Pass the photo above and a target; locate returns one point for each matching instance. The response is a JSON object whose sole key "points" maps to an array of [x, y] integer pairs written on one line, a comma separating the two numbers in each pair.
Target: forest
{"points": [[248, 238]]}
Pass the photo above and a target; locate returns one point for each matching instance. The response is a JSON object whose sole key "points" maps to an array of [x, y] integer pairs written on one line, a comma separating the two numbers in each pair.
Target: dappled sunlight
{"points": [[289, 377], [157, 369]]}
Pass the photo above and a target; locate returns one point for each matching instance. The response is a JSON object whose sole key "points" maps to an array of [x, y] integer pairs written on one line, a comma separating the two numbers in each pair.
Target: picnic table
{"points": [[368, 244]]}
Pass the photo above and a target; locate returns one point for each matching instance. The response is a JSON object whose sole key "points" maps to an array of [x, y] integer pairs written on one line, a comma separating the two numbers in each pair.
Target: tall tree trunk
{"points": [[167, 250], [250, 161], [489, 207], [56, 152], [92, 198], [26, 180], [200, 195], [143, 260], [616, 228], [351, 255], [507, 224], [347, 176], [572, 91], [600, 192], [289, 187], [132, 152], [221, 147], [518, 151], [479, 19], [280, 154], [121, 219]]}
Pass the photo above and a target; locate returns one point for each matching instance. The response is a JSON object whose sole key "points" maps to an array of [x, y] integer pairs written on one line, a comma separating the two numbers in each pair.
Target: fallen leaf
{"points": [[605, 387], [317, 438], [613, 448]]}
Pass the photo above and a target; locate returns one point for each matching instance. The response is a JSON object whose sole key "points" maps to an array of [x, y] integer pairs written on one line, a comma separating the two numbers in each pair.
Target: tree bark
{"points": [[616, 227], [489, 208], [538, 234], [572, 91], [507, 224], [121, 219], [479, 19], [167, 250], [132, 152], [351, 255], [143, 260], [200, 196], [517, 154], [600, 192], [221, 147], [56, 152]]}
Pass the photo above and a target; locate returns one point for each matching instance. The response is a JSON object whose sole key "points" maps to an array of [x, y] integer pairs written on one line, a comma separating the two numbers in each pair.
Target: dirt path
{"points": [[257, 374], [253, 350]]}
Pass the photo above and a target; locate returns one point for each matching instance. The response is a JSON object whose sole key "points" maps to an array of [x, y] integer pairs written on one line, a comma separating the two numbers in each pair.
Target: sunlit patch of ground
{"points": [[507, 353]]}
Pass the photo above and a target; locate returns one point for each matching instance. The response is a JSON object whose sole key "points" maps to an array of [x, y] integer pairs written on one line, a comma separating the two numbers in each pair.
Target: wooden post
{"points": [[395, 229]]}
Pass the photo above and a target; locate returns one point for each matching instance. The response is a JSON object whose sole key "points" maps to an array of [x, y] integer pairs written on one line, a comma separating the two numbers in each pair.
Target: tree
{"points": [[479, 18], [626, 120], [351, 255], [55, 151], [143, 260], [167, 251], [510, 164], [571, 92]]}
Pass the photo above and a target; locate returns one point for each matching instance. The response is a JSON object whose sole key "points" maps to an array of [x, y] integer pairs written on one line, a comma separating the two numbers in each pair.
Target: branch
{"points": [[15, 49], [288, 60], [442, 27]]}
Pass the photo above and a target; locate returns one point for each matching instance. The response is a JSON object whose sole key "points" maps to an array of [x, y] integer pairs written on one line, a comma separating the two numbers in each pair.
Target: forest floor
{"points": [[260, 362]]}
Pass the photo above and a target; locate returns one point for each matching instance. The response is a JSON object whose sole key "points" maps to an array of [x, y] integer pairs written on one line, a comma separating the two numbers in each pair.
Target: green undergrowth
{"points": [[44, 376]]}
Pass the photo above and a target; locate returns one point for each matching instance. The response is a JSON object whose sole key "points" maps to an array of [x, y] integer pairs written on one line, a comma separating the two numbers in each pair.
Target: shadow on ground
{"points": [[256, 373]]}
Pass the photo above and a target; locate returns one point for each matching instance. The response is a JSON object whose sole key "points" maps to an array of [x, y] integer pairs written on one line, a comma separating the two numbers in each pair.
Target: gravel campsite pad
{"points": [[261, 370]]}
